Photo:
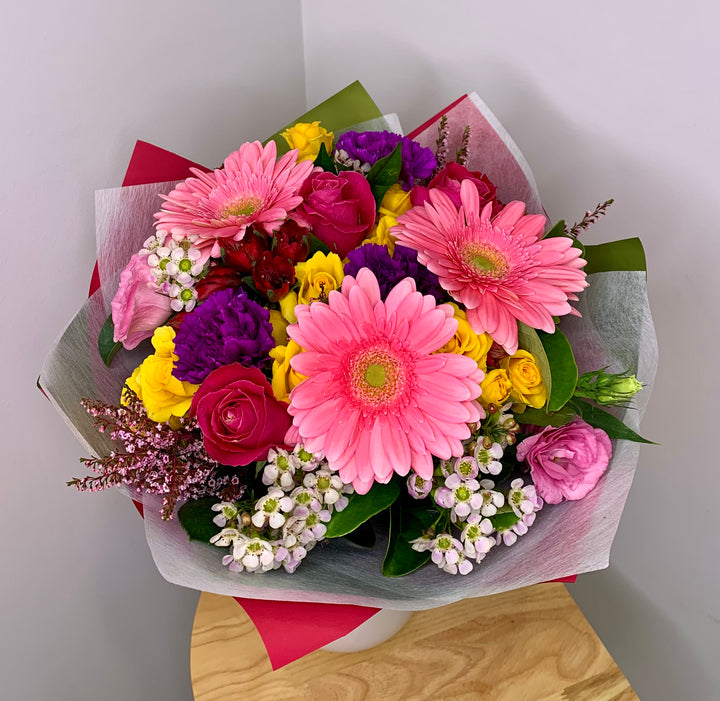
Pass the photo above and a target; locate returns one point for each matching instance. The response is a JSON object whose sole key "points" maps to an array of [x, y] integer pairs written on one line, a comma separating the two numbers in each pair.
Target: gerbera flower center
{"points": [[378, 376], [485, 259], [241, 207]]}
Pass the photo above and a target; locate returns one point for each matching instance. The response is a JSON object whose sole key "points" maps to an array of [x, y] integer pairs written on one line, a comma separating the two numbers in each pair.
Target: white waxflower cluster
{"points": [[176, 267], [483, 515], [286, 522]]}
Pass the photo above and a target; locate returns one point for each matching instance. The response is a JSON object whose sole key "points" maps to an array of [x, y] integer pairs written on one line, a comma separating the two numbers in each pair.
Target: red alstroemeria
{"points": [[273, 275]]}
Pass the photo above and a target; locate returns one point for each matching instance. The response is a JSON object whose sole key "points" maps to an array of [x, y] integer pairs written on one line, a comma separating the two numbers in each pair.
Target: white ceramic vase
{"points": [[381, 627]]}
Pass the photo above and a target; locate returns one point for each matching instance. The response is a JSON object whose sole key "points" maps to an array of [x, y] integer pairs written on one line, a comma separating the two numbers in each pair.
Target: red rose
{"points": [[238, 415], [339, 208], [448, 180]]}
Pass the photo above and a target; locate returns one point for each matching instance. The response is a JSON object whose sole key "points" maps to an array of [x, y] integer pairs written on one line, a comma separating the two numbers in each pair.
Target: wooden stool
{"points": [[530, 644]]}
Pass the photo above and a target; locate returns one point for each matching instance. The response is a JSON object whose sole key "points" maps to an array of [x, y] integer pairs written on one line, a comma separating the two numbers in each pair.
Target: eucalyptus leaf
{"points": [[385, 173], [406, 525], [361, 507], [324, 161], [196, 517], [563, 369], [107, 347], [599, 418]]}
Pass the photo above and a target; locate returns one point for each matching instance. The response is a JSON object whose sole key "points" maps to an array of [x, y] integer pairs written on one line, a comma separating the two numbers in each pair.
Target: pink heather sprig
{"points": [[441, 145], [590, 218], [156, 459], [462, 153]]}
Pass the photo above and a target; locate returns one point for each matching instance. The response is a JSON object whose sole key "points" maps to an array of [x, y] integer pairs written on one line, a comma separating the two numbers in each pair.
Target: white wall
{"points": [[84, 615], [616, 98]]}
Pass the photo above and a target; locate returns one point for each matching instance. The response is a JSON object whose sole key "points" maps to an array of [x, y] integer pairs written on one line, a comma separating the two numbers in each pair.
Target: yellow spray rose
{"points": [[381, 236], [395, 202], [527, 383], [162, 395], [318, 277], [284, 378], [307, 138], [279, 326], [467, 342], [495, 388]]}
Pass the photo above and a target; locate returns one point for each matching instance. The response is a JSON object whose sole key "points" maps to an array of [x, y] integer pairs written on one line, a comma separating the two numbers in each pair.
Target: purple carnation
{"points": [[418, 162], [391, 270], [226, 328]]}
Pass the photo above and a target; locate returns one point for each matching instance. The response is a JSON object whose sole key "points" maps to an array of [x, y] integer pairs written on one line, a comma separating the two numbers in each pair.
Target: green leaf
{"points": [[627, 254], [363, 536], [361, 507], [406, 524], [351, 105], [107, 347], [316, 245], [563, 369], [599, 418], [504, 519], [196, 517], [529, 340], [324, 161], [384, 173], [558, 229], [539, 417]]}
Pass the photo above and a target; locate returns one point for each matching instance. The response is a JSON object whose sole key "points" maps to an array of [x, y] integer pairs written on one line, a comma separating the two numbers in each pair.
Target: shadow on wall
{"points": [[647, 646]]}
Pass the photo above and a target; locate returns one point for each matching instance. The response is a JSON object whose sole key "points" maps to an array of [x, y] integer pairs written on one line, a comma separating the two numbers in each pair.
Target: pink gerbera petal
{"points": [[498, 268], [252, 187], [377, 399]]}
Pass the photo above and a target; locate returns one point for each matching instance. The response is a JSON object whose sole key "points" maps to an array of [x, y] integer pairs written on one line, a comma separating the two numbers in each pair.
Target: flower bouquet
{"points": [[358, 362]]}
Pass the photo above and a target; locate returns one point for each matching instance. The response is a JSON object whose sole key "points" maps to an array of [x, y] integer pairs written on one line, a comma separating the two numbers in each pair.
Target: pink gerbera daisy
{"points": [[499, 268], [253, 187], [377, 399]]}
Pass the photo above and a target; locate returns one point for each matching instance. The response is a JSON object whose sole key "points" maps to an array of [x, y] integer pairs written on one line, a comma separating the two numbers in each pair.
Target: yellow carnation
{"points": [[307, 138], [495, 388], [162, 395], [318, 277], [527, 383], [284, 378], [467, 342]]}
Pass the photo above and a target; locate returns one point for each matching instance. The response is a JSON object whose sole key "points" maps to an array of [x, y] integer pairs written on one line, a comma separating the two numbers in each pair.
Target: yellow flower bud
{"points": [[284, 378], [162, 395], [467, 342], [287, 307], [318, 277], [395, 202], [307, 138], [381, 235], [495, 388], [279, 326], [527, 383]]}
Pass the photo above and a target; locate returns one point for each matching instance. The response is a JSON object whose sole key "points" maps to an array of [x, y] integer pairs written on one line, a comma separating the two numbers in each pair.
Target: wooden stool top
{"points": [[530, 644]]}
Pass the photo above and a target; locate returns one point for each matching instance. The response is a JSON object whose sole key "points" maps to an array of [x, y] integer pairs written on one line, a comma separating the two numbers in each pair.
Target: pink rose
{"points": [[566, 462], [339, 208], [238, 415], [137, 309], [449, 179]]}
